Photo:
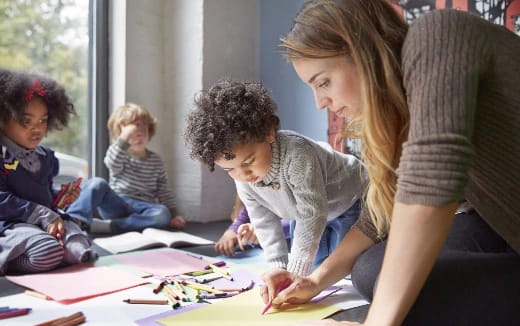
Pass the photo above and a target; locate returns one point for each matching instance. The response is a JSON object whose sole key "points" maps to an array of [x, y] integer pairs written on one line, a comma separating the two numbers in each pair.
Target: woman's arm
{"points": [[415, 240], [339, 263]]}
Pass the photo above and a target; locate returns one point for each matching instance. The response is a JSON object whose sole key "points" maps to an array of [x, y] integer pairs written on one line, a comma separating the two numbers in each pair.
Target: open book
{"points": [[149, 238]]}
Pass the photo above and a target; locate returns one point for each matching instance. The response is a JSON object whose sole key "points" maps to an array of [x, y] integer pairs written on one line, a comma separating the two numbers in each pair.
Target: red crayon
{"points": [[14, 313]]}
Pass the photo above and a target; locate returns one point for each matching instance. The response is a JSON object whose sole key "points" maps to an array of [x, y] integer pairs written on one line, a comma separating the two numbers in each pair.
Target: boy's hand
{"points": [[246, 234], [56, 229], [226, 244], [127, 131]]}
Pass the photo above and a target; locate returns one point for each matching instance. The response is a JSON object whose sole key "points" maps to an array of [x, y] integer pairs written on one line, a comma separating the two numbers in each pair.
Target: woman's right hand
{"points": [[301, 289], [226, 244]]}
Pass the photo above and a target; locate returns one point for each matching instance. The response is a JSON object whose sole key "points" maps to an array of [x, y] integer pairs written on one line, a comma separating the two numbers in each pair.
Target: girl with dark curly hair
{"points": [[34, 236], [278, 173]]}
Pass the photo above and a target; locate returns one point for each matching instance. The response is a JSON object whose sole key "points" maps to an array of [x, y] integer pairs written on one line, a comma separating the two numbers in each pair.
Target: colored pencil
{"points": [[145, 301], [37, 295], [14, 313], [284, 285], [60, 320]]}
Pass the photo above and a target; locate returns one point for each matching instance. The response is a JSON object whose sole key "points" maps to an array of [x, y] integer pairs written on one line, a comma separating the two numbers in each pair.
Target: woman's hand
{"points": [[226, 244], [246, 234], [301, 289]]}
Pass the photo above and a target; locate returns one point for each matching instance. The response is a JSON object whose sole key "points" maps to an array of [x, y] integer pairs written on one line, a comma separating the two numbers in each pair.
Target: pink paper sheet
{"points": [[164, 262], [78, 282]]}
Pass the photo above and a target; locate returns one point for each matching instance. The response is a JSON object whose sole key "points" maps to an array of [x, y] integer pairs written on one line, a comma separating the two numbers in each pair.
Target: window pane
{"points": [[50, 37]]}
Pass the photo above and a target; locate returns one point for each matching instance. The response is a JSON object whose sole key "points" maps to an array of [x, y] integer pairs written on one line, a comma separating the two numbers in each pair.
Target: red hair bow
{"points": [[37, 88]]}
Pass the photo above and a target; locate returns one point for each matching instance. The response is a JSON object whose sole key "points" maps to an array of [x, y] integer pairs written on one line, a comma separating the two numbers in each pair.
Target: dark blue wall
{"points": [[295, 101]]}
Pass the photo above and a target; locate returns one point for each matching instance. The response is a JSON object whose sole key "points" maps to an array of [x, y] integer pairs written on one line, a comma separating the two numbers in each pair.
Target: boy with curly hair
{"points": [[34, 236], [277, 173]]}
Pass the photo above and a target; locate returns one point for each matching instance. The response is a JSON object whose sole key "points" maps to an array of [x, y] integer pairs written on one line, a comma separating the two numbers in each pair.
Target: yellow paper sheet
{"points": [[245, 310]]}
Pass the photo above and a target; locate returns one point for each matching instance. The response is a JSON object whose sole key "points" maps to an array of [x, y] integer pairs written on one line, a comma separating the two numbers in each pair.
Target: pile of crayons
{"points": [[62, 200], [193, 287]]}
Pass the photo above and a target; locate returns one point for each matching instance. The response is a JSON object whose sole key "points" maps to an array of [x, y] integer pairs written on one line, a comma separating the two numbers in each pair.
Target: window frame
{"points": [[98, 99]]}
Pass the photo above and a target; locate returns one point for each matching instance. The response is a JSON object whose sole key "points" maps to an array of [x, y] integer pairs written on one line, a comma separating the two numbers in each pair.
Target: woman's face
{"points": [[335, 82]]}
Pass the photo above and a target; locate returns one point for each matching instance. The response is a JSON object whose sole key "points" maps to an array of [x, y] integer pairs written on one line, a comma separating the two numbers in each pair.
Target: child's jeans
{"points": [[126, 214], [334, 232]]}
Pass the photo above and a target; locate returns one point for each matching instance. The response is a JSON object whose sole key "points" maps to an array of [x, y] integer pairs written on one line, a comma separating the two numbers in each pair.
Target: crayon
{"points": [[145, 301], [159, 287], [218, 264], [221, 271], [13, 313], [37, 295], [74, 319], [199, 273], [194, 256], [211, 279]]}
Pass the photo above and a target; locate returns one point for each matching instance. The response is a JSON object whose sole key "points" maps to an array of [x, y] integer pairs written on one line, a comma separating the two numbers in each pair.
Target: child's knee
{"points": [[96, 184]]}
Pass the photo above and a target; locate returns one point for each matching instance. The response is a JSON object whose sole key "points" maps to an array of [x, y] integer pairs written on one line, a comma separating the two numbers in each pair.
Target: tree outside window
{"points": [[50, 37]]}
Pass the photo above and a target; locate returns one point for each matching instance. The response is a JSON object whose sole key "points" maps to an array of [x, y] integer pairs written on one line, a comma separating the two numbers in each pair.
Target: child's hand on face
{"points": [[226, 244], [178, 222], [56, 229], [246, 234], [127, 131]]}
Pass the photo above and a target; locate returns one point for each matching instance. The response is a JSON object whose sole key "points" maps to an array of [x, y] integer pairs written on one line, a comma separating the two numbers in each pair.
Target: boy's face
{"points": [[140, 137], [29, 132], [251, 163]]}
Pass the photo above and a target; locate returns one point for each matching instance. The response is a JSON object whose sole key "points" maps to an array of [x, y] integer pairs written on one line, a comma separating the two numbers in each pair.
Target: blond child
{"points": [[138, 195]]}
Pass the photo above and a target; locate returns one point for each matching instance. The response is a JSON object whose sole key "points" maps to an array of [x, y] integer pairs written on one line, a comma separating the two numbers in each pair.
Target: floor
{"points": [[211, 231]]}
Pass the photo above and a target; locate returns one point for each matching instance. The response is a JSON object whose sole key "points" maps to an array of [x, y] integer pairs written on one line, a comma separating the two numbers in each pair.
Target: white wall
{"points": [[168, 50], [231, 49]]}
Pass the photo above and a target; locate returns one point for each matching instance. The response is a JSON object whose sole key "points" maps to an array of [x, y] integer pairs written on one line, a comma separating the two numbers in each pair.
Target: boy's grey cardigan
{"points": [[308, 183]]}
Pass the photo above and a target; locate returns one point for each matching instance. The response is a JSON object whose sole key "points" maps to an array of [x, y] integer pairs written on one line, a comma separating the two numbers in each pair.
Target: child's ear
{"points": [[271, 136]]}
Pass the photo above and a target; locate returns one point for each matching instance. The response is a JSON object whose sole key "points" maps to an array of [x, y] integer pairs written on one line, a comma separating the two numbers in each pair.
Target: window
{"points": [[51, 37]]}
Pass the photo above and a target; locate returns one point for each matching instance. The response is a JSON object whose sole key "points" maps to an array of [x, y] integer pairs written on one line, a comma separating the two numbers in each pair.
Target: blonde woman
{"points": [[437, 107]]}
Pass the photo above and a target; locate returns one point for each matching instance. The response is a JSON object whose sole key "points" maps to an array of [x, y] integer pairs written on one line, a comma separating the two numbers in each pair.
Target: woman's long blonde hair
{"points": [[371, 33]]}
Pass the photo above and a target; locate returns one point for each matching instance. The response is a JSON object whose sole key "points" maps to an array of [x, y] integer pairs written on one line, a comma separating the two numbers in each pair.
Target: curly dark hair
{"points": [[14, 89], [229, 113]]}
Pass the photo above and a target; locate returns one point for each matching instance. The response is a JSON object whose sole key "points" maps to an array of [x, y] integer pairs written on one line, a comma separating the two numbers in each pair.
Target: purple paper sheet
{"points": [[325, 293], [241, 279], [151, 320]]}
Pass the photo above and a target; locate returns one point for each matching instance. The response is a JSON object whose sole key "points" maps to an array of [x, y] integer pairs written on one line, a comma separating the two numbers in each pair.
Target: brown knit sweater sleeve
{"points": [[442, 59]]}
